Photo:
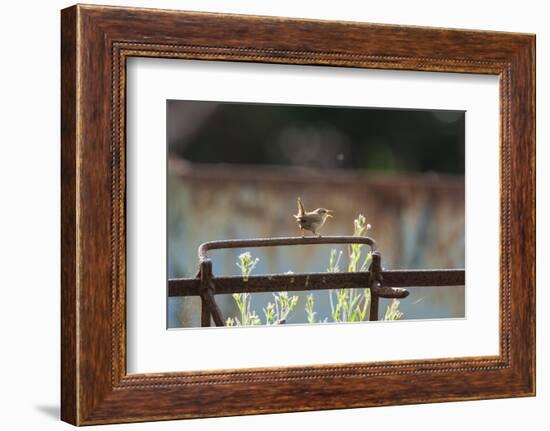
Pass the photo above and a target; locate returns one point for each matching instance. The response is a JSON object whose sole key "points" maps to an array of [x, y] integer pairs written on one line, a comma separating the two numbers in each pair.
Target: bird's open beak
{"points": [[329, 213]]}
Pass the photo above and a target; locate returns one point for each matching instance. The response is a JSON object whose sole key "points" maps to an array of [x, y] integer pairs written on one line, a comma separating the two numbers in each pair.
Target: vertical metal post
{"points": [[207, 290], [375, 284], [205, 314], [205, 266], [374, 302]]}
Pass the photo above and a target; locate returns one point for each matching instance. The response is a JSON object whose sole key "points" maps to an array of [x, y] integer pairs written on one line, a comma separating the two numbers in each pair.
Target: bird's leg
{"points": [[302, 232]]}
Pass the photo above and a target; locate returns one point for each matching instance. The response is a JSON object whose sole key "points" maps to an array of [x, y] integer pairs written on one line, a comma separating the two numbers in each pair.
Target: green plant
{"points": [[248, 317], [275, 312], [309, 308], [392, 311], [350, 305], [246, 264], [334, 261], [360, 227]]}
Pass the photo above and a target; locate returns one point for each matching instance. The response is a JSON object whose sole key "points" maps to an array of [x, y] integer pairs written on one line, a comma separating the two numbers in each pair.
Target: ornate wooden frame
{"points": [[95, 42]]}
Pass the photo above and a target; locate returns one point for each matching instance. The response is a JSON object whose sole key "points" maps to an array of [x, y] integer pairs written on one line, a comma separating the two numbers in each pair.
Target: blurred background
{"points": [[235, 171]]}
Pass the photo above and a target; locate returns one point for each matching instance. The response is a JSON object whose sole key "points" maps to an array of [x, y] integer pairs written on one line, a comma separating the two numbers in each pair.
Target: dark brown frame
{"points": [[95, 43]]}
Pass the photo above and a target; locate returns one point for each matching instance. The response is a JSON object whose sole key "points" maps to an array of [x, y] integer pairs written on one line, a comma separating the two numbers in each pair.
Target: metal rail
{"points": [[290, 240], [382, 284], [317, 281]]}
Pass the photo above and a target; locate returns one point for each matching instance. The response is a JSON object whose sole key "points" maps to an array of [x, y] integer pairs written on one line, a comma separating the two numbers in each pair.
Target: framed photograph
{"points": [[329, 214]]}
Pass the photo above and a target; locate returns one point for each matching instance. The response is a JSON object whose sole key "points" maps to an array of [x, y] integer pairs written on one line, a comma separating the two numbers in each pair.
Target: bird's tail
{"points": [[301, 210]]}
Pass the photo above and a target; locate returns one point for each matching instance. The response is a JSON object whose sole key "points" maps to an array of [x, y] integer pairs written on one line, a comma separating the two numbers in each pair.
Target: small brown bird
{"points": [[312, 220]]}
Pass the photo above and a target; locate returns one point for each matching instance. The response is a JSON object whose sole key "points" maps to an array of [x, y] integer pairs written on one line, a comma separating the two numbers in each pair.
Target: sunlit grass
{"points": [[275, 313], [392, 312], [350, 305]]}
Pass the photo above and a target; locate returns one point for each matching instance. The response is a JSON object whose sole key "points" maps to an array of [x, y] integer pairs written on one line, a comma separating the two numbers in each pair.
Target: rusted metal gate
{"points": [[382, 284]]}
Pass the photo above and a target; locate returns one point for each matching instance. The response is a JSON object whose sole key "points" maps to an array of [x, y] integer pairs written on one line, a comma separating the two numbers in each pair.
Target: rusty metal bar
{"points": [[375, 284], [213, 308], [206, 292], [292, 240], [206, 271], [205, 314], [374, 303], [319, 281]]}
